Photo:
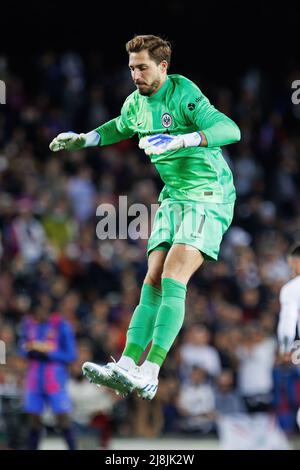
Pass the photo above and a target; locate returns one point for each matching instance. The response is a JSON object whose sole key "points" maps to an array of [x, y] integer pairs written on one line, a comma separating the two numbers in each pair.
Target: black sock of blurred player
{"points": [[69, 437], [34, 438]]}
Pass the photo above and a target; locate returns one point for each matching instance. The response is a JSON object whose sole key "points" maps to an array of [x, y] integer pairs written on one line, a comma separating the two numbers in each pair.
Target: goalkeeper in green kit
{"points": [[182, 133]]}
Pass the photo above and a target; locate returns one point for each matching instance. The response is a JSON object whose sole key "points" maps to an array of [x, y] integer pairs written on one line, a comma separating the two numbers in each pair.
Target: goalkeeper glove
{"points": [[160, 143], [73, 141]]}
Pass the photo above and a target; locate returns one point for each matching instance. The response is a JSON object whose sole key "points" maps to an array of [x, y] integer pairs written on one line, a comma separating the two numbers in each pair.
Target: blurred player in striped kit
{"points": [[48, 342]]}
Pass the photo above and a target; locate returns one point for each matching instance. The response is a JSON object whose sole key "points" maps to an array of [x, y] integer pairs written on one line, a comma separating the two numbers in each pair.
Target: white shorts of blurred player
{"points": [[257, 431]]}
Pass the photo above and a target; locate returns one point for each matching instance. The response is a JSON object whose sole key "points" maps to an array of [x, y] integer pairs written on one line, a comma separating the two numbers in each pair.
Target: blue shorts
{"points": [[59, 402]]}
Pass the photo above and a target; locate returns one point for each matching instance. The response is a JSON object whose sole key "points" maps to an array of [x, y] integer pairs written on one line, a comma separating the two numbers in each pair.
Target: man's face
{"points": [[294, 264], [147, 75], [41, 314]]}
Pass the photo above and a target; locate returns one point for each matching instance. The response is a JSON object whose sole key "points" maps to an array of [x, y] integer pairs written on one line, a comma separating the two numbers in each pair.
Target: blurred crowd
{"points": [[225, 359]]}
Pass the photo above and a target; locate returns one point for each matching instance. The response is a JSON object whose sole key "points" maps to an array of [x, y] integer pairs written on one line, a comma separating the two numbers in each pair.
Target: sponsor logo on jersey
{"points": [[191, 106], [166, 120]]}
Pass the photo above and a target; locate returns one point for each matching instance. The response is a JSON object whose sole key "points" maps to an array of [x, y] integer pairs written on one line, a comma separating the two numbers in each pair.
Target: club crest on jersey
{"points": [[166, 120]]}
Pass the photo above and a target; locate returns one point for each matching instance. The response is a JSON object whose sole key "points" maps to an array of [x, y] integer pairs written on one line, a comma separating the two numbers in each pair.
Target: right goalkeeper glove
{"points": [[73, 141], [68, 141]]}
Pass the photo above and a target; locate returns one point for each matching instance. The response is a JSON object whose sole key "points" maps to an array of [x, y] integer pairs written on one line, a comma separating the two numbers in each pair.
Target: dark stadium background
{"points": [[217, 34], [215, 40]]}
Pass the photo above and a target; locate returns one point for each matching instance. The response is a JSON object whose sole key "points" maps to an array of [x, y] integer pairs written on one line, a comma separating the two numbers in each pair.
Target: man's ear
{"points": [[164, 66]]}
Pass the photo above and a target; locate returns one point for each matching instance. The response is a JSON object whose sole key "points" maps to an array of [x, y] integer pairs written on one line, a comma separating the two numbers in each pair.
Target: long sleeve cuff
{"points": [[222, 133], [92, 139]]}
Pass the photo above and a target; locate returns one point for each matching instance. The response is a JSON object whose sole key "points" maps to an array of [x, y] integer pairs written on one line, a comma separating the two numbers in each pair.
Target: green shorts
{"points": [[198, 224]]}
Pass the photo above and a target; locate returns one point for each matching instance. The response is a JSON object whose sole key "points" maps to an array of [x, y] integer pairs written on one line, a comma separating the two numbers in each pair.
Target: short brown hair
{"points": [[158, 48], [294, 251]]}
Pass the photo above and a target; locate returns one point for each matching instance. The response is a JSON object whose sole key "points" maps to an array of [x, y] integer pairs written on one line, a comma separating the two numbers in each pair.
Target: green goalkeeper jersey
{"points": [[179, 107]]}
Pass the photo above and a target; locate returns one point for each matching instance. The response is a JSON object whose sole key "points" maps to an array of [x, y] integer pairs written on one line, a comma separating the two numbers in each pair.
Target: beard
{"points": [[148, 90]]}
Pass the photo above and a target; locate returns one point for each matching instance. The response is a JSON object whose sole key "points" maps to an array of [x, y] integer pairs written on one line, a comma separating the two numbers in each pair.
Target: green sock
{"points": [[169, 320], [141, 326]]}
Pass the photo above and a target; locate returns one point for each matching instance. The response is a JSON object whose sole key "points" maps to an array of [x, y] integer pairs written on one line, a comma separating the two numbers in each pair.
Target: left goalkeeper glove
{"points": [[160, 143]]}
